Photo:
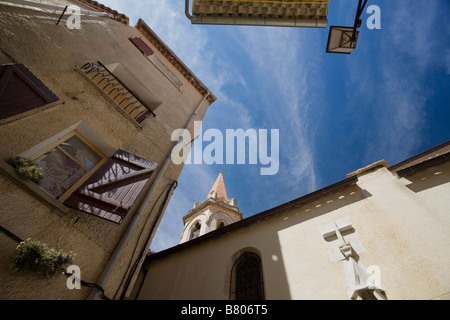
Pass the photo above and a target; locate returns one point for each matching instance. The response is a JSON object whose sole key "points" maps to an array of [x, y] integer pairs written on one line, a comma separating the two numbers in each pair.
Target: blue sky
{"points": [[389, 99]]}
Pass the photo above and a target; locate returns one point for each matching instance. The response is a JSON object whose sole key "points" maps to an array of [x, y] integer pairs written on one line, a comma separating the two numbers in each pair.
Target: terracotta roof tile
{"points": [[219, 188], [117, 15]]}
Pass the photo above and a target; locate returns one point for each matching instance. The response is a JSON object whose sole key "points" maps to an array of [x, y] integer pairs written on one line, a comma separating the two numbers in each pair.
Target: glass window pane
{"points": [[81, 152], [249, 283], [60, 172]]}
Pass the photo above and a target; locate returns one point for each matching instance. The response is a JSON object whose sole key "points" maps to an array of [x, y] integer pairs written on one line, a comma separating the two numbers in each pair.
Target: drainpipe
{"points": [[132, 226], [186, 10], [57, 8]]}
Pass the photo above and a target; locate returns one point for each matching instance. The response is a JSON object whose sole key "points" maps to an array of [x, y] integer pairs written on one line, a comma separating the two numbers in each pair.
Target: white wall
{"points": [[402, 224]]}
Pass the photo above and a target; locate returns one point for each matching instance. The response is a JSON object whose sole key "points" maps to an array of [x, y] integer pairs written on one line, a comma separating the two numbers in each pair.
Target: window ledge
{"points": [[31, 188]]}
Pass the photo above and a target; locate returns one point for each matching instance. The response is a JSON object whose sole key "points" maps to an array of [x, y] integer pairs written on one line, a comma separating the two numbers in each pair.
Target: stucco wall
{"points": [[51, 52], [402, 224]]}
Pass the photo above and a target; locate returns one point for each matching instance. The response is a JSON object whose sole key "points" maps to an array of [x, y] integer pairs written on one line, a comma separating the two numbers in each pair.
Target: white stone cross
{"points": [[340, 238], [342, 244]]}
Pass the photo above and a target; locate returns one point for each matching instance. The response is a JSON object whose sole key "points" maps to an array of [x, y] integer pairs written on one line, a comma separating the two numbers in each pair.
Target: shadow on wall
{"points": [[276, 282], [203, 267], [429, 178]]}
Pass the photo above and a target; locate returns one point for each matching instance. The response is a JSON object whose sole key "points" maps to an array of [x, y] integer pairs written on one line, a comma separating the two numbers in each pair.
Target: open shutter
{"points": [[112, 190], [21, 90], [142, 46]]}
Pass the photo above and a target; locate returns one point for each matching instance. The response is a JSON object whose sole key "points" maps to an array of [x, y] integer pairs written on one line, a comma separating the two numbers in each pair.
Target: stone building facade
{"points": [[95, 108]]}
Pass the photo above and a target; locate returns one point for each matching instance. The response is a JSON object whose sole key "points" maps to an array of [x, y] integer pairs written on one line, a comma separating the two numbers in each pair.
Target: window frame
{"points": [[127, 93], [245, 257], [55, 144]]}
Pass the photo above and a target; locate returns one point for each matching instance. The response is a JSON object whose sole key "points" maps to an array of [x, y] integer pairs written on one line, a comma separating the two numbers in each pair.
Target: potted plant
{"points": [[26, 169], [37, 256]]}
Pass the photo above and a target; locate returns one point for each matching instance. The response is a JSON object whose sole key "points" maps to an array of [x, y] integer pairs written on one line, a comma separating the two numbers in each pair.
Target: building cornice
{"points": [[421, 157], [151, 36], [120, 17], [409, 171]]}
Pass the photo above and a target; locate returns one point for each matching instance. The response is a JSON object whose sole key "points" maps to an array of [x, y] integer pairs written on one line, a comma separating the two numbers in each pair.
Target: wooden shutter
{"points": [[142, 46], [21, 90], [112, 190]]}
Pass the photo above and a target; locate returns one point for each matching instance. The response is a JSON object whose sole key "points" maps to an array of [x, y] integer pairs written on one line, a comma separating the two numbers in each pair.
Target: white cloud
{"points": [[398, 100], [284, 63], [411, 30]]}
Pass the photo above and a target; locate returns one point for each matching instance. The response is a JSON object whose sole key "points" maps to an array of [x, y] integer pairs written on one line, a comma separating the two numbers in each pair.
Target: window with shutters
{"points": [[142, 46], [128, 102], [246, 278], [113, 189], [82, 177], [21, 90]]}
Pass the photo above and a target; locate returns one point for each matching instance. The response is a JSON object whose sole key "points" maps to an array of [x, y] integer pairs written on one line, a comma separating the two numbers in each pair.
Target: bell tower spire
{"points": [[215, 212], [218, 190]]}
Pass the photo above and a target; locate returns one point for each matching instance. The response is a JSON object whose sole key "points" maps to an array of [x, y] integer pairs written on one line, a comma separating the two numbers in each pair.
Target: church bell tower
{"points": [[215, 212]]}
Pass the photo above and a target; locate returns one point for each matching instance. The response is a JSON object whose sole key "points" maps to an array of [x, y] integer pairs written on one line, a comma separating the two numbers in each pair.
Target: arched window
{"points": [[246, 278], [195, 231], [221, 224]]}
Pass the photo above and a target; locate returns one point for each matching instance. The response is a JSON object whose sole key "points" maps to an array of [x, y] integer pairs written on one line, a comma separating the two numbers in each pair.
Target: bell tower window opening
{"points": [[195, 232]]}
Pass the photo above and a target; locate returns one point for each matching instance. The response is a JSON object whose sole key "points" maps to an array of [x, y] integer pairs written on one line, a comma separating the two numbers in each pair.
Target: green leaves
{"points": [[36, 256], [26, 169]]}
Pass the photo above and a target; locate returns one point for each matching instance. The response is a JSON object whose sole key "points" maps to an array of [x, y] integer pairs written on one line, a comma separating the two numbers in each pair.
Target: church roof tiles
{"points": [[219, 188]]}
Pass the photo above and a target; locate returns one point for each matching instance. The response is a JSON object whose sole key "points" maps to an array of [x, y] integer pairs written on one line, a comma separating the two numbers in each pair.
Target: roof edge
{"points": [[120, 17], [151, 36], [260, 216], [420, 155], [409, 171]]}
